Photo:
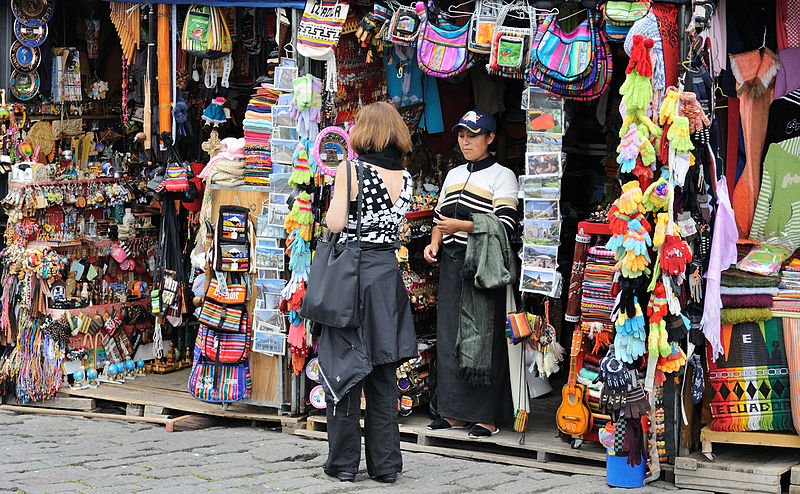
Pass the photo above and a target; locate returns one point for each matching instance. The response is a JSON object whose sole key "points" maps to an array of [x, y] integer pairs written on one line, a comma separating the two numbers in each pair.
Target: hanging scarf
{"points": [[390, 158]]}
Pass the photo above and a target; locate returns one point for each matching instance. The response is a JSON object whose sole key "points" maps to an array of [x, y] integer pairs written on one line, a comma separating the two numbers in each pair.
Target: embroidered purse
{"points": [[510, 49], [518, 327], [222, 317], [320, 28], [481, 26], [566, 57], [441, 52], [620, 15], [219, 383], [236, 293], [404, 27], [223, 348], [543, 72], [205, 33]]}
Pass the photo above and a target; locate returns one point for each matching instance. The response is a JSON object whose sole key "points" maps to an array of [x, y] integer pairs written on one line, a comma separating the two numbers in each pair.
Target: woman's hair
{"points": [[379, 126]]}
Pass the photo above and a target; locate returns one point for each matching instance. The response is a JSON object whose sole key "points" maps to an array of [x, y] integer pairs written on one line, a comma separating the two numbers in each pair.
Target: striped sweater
{"points": [[488, 188], [778, 206]]}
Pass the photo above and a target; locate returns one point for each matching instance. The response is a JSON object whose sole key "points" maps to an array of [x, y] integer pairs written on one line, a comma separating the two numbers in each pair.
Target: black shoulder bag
{"points": [[332, 296]]}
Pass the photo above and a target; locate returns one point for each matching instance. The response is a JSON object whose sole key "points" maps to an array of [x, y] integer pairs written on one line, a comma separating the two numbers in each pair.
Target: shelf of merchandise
{"points": [[86, 243], [71, 117], [42, 183], [97, 309]]}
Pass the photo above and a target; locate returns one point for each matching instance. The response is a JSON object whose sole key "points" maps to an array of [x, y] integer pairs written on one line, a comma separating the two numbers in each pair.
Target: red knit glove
{"points": [[657, 307], [675, 255]]}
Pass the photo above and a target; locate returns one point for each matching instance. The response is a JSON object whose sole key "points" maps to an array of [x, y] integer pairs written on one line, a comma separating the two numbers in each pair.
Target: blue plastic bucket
{"points": [[620, 474]]}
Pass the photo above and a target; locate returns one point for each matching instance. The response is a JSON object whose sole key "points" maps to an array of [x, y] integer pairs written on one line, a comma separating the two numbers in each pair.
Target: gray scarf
{"points": [[487, 267]]}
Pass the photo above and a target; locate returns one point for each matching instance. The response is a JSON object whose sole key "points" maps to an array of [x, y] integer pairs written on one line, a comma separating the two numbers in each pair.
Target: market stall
{"points": [[167, 211]]}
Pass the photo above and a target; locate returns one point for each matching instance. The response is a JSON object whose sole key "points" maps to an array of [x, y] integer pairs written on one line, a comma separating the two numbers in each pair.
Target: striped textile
{"points": [[791, 335], [750, 380], [597, 302]]}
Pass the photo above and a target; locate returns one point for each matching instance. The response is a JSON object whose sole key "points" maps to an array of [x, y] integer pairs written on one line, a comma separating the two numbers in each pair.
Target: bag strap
{"points": [[359, 197], [501, 17]]}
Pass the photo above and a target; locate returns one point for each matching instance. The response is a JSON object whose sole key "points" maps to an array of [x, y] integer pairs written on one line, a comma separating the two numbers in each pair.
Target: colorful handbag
{"points": [[441, 52], [404, 27], [320, 28], [481, 26], [510, 50], [620, 15], [219, 383], [566, 57], [175, 179], [231, 247], [222, 317], [518, 327], [223, 348], [236, 293], [205, 33], [591, 85]]}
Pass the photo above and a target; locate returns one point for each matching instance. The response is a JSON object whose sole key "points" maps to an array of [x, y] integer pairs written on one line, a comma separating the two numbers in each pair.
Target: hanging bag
{"points": [[564, 56], [218, 383], [205, 33], [545, 68], [332, 296], [441, 52], [319, 31], [510, 45], [619, 16], [224, 348], [231, 246], [481, 27], [404, 26]]}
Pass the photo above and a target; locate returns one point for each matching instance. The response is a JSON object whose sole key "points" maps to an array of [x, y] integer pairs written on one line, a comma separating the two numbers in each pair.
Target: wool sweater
{"points": [[778, 206]]}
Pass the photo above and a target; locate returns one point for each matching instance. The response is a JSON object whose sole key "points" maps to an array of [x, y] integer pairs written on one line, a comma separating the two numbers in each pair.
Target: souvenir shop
{"points": [[169, 168]]}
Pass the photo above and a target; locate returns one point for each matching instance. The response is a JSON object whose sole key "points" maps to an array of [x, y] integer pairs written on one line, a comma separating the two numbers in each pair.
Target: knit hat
{"points": [[232, 148], [647, 26]]}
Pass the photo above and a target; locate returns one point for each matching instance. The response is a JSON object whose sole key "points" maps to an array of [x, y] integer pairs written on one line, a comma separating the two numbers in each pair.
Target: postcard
{"points": [[541, 232], [538, 187], [543, 163], [541, 210], [539, 257], [269, 342], [537, 280]]}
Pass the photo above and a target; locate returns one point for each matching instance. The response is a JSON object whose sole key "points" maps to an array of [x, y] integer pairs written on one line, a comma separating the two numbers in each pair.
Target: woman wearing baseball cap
{"points": [[479, 186]]}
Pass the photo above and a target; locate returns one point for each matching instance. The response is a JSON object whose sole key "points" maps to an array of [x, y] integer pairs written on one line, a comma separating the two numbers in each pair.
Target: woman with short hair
{"points": [[368, 356]]}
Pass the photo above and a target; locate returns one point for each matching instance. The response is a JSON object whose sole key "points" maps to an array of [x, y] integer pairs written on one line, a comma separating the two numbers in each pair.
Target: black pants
{"points": [[381, 432]]}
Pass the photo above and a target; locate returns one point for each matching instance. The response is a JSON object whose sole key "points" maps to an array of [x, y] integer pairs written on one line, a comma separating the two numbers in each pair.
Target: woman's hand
{"points": [[449, 226], [430, 253]]}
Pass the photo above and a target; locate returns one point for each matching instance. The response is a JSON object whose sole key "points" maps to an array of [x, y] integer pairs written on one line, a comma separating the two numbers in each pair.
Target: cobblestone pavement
{"points": [[43, 453]]}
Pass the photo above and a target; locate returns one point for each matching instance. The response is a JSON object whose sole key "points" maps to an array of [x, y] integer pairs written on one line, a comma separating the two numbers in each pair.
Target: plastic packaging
{"points": [[767, 257]]}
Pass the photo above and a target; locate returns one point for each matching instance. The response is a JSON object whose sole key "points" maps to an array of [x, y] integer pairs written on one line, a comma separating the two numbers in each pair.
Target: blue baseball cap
{"points": [[477, 122]]}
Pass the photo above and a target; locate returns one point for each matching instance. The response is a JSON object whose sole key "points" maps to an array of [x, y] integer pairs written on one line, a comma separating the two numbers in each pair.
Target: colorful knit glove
{"points": [[636, 91], [315, 109], [668, 106], [657, 340], [628, 150], [678, 135], [631, 198], [300, 258], [657, 306], [656, 197], [301, 101], [674, 360], [644, 174], [614, 244], [302, 209], [661, 229], [693, 110], [371, 23], [302, 173], [633, 266], [629, 347], [646, 149], [677, 327], [637, 240], [630, 325], [675, 255]]}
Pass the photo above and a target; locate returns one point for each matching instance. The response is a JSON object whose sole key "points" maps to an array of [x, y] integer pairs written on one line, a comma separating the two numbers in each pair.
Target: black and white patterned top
{"points": [[380, 219]]}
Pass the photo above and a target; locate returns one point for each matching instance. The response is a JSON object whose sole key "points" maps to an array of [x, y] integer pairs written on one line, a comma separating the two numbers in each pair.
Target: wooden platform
{"points": [[776, 439], [169, 391], [542, 449], [737, 469]]}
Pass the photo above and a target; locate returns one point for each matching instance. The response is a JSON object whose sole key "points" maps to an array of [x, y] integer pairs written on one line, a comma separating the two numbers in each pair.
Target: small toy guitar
{"points": [[573, 416]]}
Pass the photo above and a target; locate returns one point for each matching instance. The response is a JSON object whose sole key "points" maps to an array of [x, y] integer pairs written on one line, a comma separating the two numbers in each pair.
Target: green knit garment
{"points": [[736, 277], [778, 206]]}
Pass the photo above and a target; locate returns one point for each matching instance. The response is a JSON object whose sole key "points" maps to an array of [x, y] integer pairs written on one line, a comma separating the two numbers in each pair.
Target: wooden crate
{"points": [[737, 469]]}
